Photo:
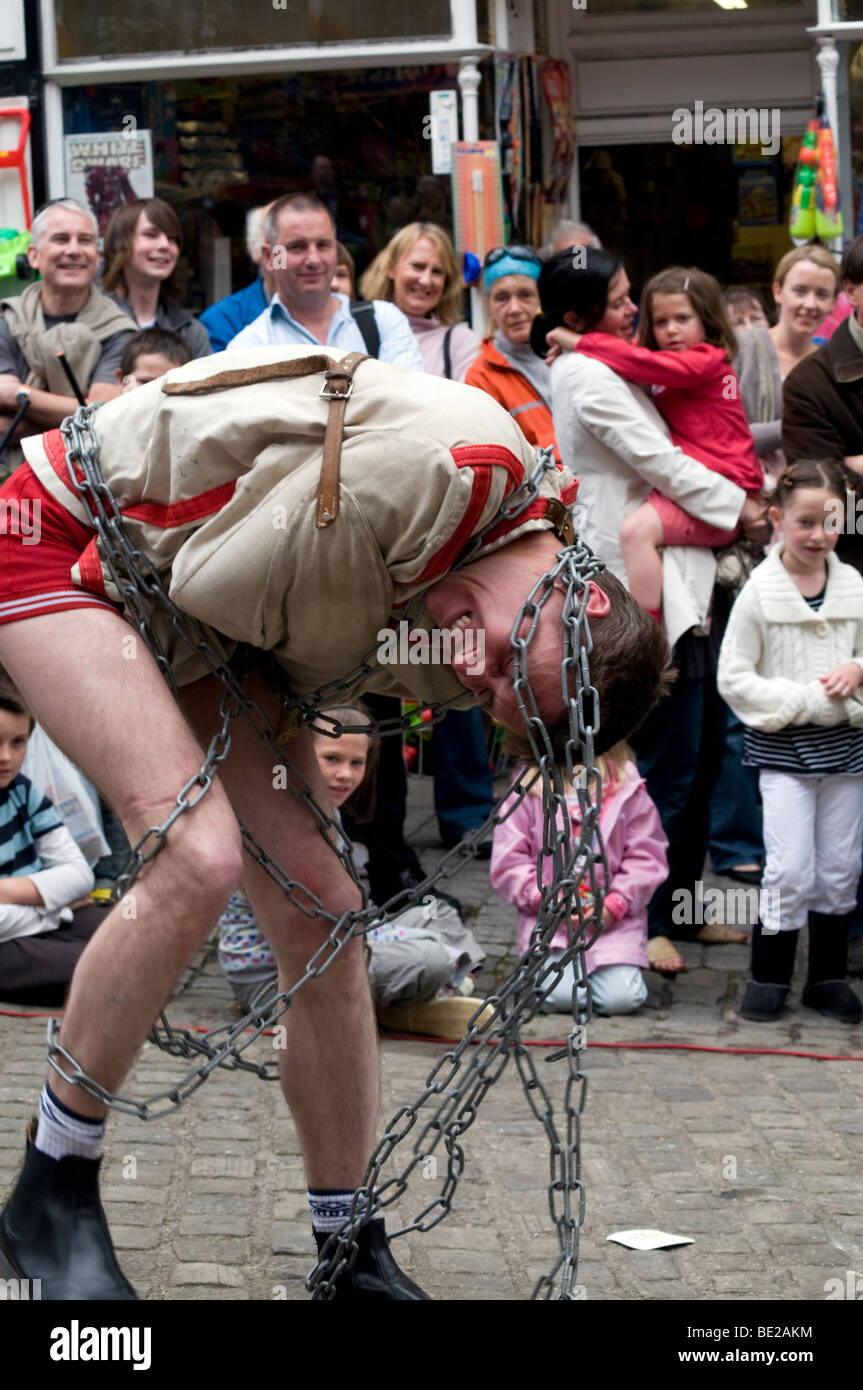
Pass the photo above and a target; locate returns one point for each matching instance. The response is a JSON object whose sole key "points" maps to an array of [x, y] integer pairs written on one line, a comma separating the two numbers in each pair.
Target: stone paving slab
{"points": [[758, 1158]]}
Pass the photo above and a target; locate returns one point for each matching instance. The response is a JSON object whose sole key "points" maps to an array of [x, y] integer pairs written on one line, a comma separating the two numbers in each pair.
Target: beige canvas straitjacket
{"points": [[219, 490]]}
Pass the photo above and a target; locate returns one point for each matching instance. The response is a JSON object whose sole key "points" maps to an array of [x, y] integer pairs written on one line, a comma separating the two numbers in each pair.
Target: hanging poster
{"points": [[477, 197], [105, 171]]}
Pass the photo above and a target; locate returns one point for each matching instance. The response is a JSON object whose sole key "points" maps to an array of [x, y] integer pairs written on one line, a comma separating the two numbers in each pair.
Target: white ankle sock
{"points": [[62, 1133]]}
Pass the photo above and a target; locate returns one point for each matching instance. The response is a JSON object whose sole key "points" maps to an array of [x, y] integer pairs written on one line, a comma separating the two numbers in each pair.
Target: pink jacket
{"points": [[635, 847]]}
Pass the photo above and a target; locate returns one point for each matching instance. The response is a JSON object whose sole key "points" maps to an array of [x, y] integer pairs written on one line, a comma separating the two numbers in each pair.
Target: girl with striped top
{"points": [[791, 668]]}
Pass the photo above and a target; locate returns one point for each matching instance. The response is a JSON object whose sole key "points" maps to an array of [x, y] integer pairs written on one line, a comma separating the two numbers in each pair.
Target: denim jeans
{"points": [[463, 794], [735, 811]]}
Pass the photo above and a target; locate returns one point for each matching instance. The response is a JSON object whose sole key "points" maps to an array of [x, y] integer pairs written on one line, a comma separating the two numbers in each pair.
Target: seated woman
{"points": [[507, 368], [142, 247], [43, 876]]}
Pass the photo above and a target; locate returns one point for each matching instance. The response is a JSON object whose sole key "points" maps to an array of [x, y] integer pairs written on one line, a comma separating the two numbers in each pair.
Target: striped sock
{"points": [[330, 1207], [62, 1133]]}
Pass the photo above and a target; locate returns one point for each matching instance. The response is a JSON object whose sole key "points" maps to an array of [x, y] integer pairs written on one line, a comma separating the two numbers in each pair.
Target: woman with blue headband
{"points": [[507, 368]]}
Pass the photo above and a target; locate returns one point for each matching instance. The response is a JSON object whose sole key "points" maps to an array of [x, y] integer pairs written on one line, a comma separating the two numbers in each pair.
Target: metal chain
{"points": [[463, 1075]]}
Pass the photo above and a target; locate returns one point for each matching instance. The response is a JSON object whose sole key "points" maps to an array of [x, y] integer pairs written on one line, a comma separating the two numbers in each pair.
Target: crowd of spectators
{"points": [[686, 447]]}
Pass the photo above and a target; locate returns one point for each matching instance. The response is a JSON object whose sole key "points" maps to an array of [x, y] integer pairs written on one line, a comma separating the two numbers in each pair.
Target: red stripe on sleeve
{"points": [[491, 456], [441, 561], [179, 513]]}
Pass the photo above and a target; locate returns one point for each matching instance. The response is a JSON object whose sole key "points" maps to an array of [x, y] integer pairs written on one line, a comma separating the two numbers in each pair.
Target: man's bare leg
{"points": [[329, 1065], [118, 721]]}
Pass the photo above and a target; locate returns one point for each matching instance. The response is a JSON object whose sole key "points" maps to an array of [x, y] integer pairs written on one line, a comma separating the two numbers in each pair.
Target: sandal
{"points": [[665, 958], [720, 934]]}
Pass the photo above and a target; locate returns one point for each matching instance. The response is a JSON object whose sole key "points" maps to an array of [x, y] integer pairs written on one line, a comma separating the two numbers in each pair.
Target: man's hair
{"points": [[818, 255], [705, 296], [630, 670], [255, 221], [740, 297], [852, 262], [377, 284], [40, 221], [118, 243], [160, 340], [11, 701], [298, 202], [565, 229]]}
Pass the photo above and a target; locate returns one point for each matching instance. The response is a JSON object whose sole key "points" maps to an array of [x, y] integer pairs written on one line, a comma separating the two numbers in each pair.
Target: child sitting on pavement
{"points": [[422, 962], [635, 850], [43, 877]]}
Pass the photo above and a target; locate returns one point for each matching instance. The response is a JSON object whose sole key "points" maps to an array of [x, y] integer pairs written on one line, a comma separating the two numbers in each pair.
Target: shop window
{"points": [[114, 28], [848, 10]]}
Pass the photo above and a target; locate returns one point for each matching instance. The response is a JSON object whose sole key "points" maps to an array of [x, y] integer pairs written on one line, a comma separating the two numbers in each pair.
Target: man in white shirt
{"points": [[299, 252]]}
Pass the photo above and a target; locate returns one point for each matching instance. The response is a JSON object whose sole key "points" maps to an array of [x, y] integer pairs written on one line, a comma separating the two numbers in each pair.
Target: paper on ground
{"points": [[648, 1240]]}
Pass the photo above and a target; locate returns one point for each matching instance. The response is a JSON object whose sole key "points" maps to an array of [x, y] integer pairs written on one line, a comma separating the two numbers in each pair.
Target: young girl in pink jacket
{"points": [[635, 848]]}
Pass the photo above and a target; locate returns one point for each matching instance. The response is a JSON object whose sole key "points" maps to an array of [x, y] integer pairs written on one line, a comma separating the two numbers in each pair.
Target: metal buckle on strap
{"points": [[330, 395]]}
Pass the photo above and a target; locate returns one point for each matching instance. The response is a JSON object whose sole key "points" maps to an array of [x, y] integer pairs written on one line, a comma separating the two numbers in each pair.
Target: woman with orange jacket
{"points": [[507, 368]]}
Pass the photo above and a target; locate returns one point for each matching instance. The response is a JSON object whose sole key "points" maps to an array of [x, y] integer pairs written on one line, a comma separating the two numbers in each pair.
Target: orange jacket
{"points": [[492, 373]]}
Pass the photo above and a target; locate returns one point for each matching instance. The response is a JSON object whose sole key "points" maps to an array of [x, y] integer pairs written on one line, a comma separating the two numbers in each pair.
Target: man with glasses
{"points": [[61, 312]]}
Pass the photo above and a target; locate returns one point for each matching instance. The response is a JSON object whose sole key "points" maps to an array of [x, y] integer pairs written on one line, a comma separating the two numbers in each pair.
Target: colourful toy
{"points": [[815, 210]]}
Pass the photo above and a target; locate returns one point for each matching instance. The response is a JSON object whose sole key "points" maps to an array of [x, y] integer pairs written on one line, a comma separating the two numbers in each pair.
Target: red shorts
{"points": [[39, 543], [679, 528]]}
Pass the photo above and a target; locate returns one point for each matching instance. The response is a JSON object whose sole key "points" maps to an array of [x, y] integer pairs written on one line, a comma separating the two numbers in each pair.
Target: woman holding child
{"points": [[621, 441]]}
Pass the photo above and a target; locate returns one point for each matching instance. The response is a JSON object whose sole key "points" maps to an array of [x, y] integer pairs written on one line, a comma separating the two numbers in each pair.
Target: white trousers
{"points": [[813, 836], [615, 989]]}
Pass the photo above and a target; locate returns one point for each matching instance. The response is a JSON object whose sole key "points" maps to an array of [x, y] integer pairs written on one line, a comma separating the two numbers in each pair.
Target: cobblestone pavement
{"points": [[757, 1158]]}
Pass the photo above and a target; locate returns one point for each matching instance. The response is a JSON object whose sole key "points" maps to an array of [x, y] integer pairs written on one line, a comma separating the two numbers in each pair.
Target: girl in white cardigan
{"points": [[791, 667]]}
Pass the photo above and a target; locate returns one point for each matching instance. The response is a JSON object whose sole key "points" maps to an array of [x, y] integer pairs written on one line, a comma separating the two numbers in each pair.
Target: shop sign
{"points": [[106, 170]]}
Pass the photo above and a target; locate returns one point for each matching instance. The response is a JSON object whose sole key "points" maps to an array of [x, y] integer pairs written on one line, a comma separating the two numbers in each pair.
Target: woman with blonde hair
{"points": [[142, 250], [418, 272], [805, 287]]}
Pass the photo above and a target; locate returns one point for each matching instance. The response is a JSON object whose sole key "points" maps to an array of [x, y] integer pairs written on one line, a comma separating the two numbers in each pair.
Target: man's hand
{"points": [[753, 519], [9, 388], [842, 680]]}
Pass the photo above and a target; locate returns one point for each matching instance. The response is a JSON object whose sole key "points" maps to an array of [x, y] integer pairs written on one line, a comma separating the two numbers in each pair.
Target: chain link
{"points": [[456, 1085]]}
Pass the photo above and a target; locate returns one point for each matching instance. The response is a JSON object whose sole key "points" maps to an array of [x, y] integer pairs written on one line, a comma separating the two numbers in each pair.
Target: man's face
{"points": [[486, 597], [303, 259], [67, 256]]}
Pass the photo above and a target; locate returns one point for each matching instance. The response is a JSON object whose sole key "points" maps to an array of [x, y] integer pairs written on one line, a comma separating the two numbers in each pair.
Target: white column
{"points": [[827, 57], [468, 80], [55, 170]]}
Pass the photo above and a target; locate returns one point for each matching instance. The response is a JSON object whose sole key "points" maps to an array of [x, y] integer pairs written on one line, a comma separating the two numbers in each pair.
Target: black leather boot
{"points": [[53, 1228], [374, 1273], [826, 989], [772, 967]]}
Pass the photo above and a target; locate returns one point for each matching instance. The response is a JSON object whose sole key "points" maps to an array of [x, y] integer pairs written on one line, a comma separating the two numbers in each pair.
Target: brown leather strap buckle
{"points": [[330, 395], [328, 485]]}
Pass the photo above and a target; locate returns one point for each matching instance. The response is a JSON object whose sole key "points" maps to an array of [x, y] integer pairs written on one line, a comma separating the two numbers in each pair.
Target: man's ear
{"points": [[33, 255], [267, 257], [598, 603]]}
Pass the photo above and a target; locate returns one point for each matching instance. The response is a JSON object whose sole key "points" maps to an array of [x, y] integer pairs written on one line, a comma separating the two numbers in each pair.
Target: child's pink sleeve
{"points": [[517, 841], [644, 865], [693, 367]]}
